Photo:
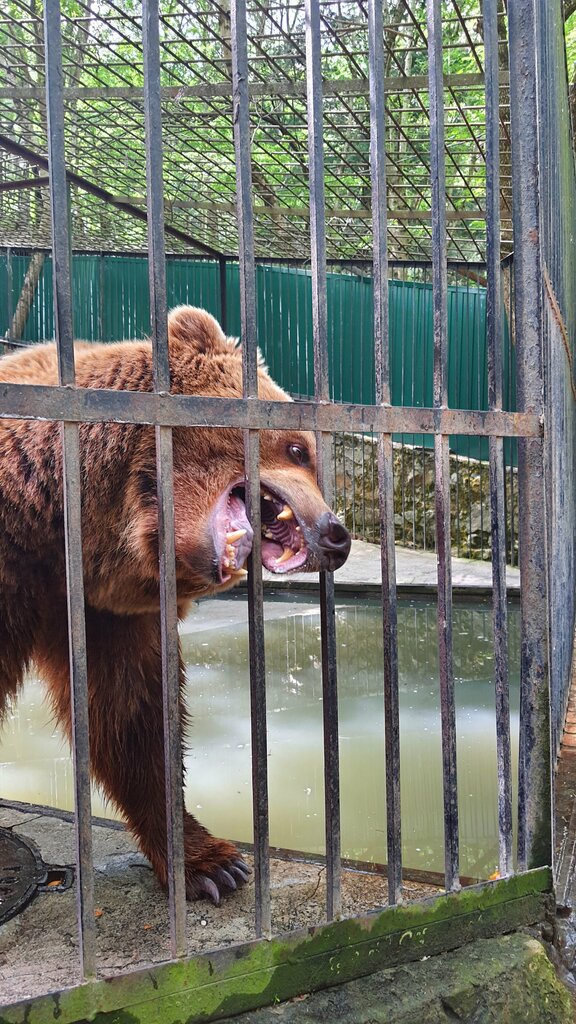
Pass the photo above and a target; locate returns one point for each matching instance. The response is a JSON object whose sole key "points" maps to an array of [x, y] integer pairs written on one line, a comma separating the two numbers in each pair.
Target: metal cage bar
{"points": [[324, 450], [88, 405], [9, 296], [494, 331], [165, 485], [252, 457], [71, 482], [534, 770], [385, 453], [441, 443]]}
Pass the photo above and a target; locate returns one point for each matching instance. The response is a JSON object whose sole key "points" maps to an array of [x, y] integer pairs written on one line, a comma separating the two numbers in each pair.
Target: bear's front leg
{"points": [[127, 741]]}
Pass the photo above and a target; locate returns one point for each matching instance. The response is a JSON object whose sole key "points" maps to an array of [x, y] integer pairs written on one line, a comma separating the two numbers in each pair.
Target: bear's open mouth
{"points": [[283, 546]]}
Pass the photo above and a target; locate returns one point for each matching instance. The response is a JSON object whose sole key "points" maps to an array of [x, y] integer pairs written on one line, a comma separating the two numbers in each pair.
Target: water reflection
{"points": [[36, 766]]}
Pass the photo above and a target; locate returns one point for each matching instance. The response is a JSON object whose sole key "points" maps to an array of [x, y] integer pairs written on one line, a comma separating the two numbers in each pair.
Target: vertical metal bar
{"points": [[496, 444], [353, 483], [241, 117], [471, 466], [165, 482], [535, 776], [513, 442], [385, 450], [9, 292], [481, 369], [441, 442], [72, 475], [324, 445], [423, 449], [101, 287], [222, 265]]}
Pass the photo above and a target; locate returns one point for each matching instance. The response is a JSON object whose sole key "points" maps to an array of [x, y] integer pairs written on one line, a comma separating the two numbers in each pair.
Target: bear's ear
{"points": [[197, 329]]}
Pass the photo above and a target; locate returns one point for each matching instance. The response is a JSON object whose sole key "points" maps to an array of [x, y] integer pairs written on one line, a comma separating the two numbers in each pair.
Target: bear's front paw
{"points": [[220, 871]]}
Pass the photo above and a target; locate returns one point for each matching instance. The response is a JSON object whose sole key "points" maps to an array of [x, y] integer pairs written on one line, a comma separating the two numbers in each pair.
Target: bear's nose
{"points": [[333, 541]]}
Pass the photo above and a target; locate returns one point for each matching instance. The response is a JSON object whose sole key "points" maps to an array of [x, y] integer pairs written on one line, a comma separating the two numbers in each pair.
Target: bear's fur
{"points": [[120, 552]]}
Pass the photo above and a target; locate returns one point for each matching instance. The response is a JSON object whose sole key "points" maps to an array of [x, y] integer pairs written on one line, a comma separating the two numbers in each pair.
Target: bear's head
{"points": [[213, 534]]}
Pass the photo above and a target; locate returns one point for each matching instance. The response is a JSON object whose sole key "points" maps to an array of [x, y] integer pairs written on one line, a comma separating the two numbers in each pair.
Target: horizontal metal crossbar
{"points": [[209, 91], [76, 405]]}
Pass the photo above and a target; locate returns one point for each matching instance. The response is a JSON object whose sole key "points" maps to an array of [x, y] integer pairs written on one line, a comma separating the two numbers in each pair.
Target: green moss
{"points": [[221, 984]]}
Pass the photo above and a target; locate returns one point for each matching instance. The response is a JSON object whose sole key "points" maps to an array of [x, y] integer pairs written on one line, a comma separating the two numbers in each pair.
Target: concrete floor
{"points": [[39, 947]]}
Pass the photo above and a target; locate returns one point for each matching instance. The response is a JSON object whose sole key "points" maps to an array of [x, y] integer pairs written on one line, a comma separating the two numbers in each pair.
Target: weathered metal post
{"points": [[61, 250], [534, 776]]}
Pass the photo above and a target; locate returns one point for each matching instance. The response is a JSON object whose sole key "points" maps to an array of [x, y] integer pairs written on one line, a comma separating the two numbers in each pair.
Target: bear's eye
{"points": [[299, 454]]}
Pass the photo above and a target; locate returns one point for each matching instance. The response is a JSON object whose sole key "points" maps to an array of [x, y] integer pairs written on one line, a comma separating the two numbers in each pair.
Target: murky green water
{"points": [[36, 767]]}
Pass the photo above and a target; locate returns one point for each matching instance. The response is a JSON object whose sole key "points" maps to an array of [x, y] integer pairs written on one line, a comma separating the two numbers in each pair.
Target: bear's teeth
{"points": [[286, 554], [286, 513], [240, 572], [235, 535]]}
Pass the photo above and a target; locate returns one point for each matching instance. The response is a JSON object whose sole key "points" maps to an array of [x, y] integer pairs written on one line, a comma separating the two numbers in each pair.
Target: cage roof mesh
{"points": [[102, 55]]}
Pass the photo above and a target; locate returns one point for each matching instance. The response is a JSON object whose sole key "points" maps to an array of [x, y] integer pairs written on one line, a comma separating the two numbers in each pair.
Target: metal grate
{"points": [[23, 874], [316, 42]]}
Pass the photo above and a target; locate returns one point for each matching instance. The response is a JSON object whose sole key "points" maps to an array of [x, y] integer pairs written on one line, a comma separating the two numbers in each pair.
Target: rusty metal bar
{"points": [[385, 452], [289, 261], [9, 292], [314, 105], [23, 183], [31, 401], [534, 775], [494, 314], [164, 484], [241, 118], [270, 88], [223, 296], [441, 443], [72, 476]]}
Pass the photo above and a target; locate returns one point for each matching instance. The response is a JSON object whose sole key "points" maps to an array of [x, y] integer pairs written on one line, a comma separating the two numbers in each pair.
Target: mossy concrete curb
{"points": [[492, 981]]}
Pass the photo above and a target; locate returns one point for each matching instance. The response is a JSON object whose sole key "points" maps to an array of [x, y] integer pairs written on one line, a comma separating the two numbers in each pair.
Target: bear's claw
{"points": [[241, 870], [224, 879], [208, 888]]}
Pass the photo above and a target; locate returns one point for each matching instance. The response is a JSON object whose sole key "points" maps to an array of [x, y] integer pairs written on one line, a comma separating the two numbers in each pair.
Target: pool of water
{"points": [[35, 765]]}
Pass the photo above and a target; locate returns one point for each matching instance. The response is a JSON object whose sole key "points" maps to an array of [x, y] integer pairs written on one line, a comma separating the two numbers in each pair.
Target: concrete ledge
{"points": [[491, 981], [416, 572]]}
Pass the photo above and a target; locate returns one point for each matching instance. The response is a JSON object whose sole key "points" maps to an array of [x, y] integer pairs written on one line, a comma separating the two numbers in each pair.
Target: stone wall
{"points": [[356, 497]]}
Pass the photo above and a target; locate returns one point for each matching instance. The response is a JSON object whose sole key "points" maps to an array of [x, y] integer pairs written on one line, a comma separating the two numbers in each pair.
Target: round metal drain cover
{"points": [[23, 873]]}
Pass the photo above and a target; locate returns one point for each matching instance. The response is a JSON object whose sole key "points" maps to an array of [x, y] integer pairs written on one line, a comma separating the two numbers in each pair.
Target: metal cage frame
{"points": [[290, 964]]}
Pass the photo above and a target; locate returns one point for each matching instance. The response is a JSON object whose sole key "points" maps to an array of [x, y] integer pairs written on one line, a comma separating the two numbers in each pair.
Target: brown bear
{"points": [[120, 550]]}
